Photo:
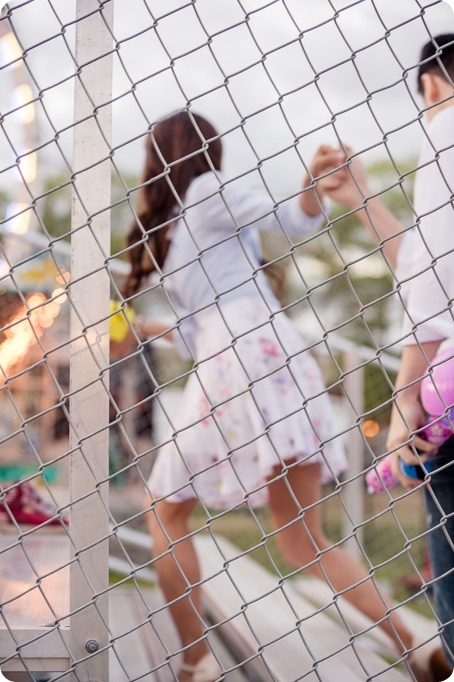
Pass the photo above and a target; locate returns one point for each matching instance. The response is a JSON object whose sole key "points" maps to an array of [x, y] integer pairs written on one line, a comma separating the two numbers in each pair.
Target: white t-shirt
{"points": [[215, 255], [426, 257]]}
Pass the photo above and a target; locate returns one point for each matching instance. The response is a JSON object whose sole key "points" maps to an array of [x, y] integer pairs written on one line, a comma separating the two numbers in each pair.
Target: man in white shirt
{"points": [[426, 266], [425, 270]]}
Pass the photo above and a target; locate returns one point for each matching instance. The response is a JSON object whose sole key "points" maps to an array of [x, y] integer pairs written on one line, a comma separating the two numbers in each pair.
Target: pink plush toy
{"points": [[437, 394], [381, 478], [437, 432]]}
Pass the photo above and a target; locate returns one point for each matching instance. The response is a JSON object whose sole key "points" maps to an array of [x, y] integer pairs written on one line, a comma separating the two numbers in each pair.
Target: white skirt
{"points": [[256, 400]]}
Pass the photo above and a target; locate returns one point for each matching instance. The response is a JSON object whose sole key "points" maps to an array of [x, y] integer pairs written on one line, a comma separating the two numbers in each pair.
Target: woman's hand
{"points": [[324, 174], [145, 328], [338, 175], [326, 168]]}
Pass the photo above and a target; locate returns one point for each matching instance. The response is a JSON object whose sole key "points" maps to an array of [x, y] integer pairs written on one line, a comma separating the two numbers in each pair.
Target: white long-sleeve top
{"points": [[215, 255], [426, 257]]}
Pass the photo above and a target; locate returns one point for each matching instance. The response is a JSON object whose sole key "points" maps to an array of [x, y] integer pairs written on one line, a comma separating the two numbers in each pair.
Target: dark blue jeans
{"points": [[440, 521]]}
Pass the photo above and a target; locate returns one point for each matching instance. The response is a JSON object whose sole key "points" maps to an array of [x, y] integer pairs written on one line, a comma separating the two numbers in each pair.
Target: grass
{"points": [[393, 543]]}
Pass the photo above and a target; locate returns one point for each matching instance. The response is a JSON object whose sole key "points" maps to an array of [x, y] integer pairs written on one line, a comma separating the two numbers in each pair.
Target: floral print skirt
{"points": [[254, 401]]}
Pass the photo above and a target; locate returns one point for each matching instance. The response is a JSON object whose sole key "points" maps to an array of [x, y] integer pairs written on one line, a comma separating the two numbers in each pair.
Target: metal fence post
{"points": [[354, 500], [89, 294]]}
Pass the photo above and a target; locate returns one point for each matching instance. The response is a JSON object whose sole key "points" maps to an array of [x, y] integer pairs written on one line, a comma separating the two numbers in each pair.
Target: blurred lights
{"points": [[371, 428], [12, 51], [28, 166], [23, 96], [17, 218], [25, 328], [63, 278]]}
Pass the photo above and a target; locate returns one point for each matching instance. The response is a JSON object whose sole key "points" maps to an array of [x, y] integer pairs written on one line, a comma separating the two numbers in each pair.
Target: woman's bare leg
{"points": [[178, 570], [301, 541]]}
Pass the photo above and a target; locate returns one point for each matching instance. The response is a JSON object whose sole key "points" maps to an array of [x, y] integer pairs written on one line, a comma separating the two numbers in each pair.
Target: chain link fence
{"points": [[86, 402]]}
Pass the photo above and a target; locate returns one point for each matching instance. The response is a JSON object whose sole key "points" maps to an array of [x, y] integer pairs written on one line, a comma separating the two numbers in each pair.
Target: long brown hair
{"points": [[178, 149]]}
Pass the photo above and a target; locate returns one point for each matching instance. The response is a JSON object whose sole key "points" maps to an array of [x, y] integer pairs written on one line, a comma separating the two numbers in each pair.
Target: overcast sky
{"points": [[314, 70]]}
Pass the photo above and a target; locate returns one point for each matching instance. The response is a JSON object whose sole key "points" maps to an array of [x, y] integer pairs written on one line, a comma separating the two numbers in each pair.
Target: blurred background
{"points": [[277, 79]]}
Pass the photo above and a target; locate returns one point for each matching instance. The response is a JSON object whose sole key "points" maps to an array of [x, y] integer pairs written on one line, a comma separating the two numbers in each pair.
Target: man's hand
{"points": [[407, 415]]}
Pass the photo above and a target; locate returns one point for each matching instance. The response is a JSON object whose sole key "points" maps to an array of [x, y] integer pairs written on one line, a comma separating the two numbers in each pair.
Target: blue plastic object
{"points": [[414, 470]]}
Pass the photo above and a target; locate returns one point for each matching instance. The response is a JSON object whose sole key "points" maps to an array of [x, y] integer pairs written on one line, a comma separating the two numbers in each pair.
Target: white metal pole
{"points": [[89, 296], [354, 499]]}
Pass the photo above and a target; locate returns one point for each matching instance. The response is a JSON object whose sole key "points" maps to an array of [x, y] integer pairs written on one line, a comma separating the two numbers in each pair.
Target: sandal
{"points": [[205, 670]]}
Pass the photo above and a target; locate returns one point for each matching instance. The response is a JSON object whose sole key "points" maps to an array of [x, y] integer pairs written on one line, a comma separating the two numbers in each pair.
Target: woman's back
{"points": [[215, 252]]}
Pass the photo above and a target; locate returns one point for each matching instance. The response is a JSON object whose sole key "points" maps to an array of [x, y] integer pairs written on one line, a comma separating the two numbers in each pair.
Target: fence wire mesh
{"points": [[89, 397]]}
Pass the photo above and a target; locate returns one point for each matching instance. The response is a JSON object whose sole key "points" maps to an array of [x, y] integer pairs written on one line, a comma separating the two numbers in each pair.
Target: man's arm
{"points": [[407, 414], [353, 191]]}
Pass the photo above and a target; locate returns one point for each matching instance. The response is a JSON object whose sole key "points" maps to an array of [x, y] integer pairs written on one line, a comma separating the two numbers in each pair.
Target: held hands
{"points": [[339, 176], [352, 188], [325, 168], [321, 176]]}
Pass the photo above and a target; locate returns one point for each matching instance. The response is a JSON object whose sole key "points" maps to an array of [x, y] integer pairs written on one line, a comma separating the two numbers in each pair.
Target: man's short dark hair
{"points": [[437, 56]]}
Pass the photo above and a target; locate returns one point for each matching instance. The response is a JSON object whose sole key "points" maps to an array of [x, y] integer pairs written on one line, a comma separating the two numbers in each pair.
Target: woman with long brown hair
{"points": [[255, 424]]}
